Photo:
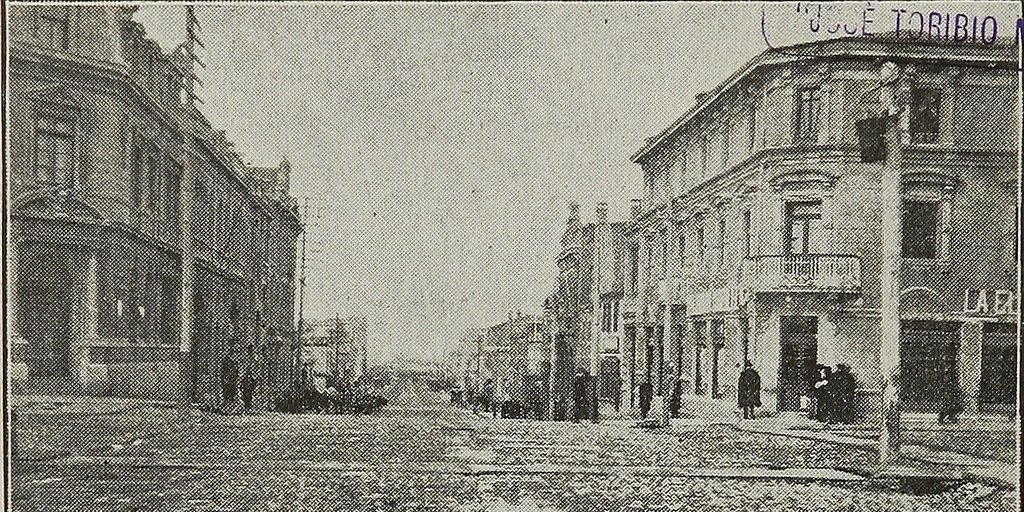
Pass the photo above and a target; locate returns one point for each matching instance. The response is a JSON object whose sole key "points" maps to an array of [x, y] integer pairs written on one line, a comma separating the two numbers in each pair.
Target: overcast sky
{"points": [[439, 145]]}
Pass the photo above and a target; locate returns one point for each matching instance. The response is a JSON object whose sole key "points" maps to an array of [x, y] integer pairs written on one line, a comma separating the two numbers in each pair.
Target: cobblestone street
{"points": [[421, 454]]}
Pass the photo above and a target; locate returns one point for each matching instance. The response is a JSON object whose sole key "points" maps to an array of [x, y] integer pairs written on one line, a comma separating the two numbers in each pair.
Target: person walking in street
{"points": [[248, 377], [749, 391], [951, 402], [579, 393], [228, 378], [646, 395], [845, 387]]}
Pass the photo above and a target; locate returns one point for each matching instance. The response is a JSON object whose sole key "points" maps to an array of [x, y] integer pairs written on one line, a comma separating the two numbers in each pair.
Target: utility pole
{"points": [[337, 347], [297, 356], [893, 95]]}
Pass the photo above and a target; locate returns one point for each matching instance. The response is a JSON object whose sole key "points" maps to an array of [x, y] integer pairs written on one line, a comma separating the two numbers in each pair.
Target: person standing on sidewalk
{"points": [[749, 390], [646, 395], [229, 378], [579, 393], [248, 377], [845, 387]]}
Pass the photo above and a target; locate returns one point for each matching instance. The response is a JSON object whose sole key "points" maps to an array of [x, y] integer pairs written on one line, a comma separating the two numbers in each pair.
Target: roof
{"points": [[881, 46]]}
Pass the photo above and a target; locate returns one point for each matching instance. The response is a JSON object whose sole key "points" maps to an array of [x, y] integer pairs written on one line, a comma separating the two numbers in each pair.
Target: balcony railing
{"points": [[802, 273]]}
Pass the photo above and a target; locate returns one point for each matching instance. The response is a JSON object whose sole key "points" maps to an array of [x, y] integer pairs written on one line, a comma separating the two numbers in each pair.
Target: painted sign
{"points": [[989, 302]]}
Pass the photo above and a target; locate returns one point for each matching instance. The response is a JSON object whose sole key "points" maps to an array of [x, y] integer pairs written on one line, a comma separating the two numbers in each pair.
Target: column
{"points": [[185, 342], [87, 322], [969, 370]]}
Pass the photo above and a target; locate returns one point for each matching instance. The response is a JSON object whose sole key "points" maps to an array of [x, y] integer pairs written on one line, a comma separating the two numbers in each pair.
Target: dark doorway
{"points": [[699, 342], [49, 283], [798, 337], [998, 392], [928, 363]]}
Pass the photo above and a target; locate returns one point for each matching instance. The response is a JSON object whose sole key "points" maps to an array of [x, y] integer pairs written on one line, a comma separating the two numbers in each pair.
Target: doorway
{"points": [[49, 282], [928, 363], [798, 338], [998, 387]]}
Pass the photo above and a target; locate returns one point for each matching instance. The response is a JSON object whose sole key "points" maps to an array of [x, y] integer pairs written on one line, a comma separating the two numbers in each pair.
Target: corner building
{"points": [[140, 245], [758, 235]]}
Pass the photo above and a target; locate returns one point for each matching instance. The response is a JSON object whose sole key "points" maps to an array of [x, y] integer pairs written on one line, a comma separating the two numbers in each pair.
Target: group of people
{"points": [[832, 394], [238, 374], [330, 396]]}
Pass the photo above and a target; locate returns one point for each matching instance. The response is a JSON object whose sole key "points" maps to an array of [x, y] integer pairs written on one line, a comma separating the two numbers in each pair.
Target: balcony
{"points": [[808, 273]]}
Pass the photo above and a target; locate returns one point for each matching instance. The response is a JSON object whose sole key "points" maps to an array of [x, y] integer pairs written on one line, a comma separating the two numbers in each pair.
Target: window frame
{"points": [[935, 224], [917, 134], [809, 108], [69, 134]]}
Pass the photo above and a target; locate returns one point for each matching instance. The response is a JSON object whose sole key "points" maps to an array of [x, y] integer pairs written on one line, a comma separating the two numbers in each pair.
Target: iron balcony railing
{"points": [[802, 272]]}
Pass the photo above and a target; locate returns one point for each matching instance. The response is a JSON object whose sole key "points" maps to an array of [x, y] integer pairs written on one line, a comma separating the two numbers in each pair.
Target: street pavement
{"points": [[419, 453]]}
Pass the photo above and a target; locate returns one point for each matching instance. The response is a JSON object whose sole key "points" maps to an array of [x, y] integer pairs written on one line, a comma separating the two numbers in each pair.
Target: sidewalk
{"points": [[865, 436]]}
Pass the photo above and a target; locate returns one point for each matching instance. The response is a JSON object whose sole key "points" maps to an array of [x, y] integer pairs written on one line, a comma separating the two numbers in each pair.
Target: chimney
{"points": [[635, 208], [602, 212], [574, 211]]}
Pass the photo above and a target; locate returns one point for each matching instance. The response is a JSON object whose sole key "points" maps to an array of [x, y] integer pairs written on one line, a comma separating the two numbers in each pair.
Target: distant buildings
{"points": [[142, 249], [335, 348]]}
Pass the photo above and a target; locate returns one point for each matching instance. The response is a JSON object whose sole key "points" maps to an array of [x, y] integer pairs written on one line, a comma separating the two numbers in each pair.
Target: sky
{"points": [[439, 145]]}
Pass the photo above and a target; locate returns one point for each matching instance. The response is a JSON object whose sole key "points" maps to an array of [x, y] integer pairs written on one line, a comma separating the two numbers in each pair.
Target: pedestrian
{"points": [[228, 378], [646, 393], [951, 402], [821, 395], [676, 400], [487, 396], [845, 386], [749, 390], [579, 393], [539, 390], [248, 377]]}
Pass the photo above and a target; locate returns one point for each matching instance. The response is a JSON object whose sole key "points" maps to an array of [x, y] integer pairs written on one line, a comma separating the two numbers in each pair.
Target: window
{"points": [[924, 115], [52, 27], [725, 146], [55, 150], [752, 127], [808, 115], [682, 248], [700, 240], [615, 317], [803, 227], [153, 179], [634, 267], [746, 234], [921, 221], [721, 243], [704, 157], [172, 205], [663, 240]]}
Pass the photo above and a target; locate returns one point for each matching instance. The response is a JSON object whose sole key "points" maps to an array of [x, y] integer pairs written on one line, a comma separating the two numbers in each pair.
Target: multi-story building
{"points": [[141, 249], [758, 235], [511, 355], [585, 307]]}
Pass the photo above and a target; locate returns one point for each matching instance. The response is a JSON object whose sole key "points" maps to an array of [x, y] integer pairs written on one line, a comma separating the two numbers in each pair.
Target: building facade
{"points": [[141, 248], [758, 234], [585, 331]]}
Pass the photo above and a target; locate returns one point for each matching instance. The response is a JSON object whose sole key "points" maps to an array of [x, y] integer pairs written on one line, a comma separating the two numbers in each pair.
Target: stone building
{"points": [[140, 246], [585, 330], [758, 235]]}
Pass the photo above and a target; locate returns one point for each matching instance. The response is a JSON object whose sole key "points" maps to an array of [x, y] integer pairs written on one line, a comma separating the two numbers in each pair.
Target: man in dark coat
{"points": [[845, 387], [676, 399], [579, 394], [749, 391], [823, 394], [646, 395], [229, 378]]}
